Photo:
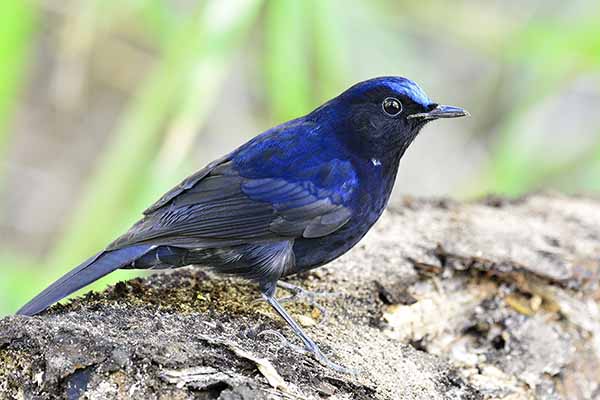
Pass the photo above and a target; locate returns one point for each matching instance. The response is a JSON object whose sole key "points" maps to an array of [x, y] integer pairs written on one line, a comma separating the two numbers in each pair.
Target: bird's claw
{"points": [[323, 360], [313, 350]]}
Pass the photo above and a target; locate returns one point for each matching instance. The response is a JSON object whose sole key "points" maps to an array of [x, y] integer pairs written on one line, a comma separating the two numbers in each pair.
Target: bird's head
{"points": [[383, 115]]}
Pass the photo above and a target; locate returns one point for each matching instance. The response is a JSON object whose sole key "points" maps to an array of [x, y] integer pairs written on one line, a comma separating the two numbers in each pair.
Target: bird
{"points": [[291, 199]]}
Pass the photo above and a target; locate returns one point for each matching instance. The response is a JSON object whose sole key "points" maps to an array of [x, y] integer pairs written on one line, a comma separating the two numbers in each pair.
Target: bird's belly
{"points": [[369, 203], [312, 253]]}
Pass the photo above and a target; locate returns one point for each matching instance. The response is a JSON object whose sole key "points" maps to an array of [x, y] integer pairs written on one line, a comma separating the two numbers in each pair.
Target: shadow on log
{"points": [[442, 300]]}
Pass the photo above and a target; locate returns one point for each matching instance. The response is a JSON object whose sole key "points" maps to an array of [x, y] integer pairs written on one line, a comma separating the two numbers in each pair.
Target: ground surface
{"points": [[493, 299]]}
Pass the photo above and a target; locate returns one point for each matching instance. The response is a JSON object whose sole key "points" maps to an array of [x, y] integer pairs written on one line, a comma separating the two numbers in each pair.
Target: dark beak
{"points": [[442, 111]]}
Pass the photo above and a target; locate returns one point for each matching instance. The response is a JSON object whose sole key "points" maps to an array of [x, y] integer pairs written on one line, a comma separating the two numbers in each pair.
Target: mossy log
{"points": [[442, 300]]}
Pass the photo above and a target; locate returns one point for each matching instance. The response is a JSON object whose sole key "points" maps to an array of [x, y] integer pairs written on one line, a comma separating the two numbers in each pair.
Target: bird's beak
{"points": [[442, 111]]}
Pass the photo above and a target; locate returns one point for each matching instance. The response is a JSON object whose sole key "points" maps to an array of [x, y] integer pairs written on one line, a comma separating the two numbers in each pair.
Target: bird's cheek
{"points": [[377, 128], [396, 129], [400, 133]]}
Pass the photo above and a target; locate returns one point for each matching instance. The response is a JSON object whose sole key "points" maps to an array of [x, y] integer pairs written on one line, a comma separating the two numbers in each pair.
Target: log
{"points": [[495, 298]]}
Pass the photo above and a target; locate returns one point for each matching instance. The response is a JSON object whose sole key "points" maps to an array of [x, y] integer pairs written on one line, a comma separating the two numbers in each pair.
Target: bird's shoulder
{"points": [[296, 152], [279, 185]]}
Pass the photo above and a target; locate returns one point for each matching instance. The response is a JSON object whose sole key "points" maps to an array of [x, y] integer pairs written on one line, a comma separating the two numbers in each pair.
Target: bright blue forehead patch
{"points": [[410, 89], [397, 84]]}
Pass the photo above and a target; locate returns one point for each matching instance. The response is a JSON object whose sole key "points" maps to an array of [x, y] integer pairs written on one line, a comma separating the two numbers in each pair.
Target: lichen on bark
{"points": [[490, 299]]}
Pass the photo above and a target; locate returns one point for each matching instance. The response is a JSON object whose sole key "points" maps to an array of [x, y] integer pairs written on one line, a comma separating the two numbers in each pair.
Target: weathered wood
{"points": [[443, 300]]}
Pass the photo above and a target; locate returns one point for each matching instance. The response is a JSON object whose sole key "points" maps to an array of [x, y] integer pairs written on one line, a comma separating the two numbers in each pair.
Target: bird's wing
{"points": [[223, 206]]}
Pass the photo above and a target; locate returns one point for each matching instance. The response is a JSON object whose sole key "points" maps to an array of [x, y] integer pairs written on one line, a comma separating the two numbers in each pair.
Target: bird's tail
{"points": [[89, 271]]}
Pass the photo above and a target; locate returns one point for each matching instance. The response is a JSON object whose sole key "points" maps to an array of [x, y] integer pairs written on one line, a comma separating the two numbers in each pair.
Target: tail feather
{"points": [[89, 271]]}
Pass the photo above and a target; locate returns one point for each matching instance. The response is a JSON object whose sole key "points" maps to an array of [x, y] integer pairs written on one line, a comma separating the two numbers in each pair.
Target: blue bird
{"points": [[292, 199]]}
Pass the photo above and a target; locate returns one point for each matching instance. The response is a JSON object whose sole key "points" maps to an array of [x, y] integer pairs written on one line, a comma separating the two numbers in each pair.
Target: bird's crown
{"points": [[396, 84]]}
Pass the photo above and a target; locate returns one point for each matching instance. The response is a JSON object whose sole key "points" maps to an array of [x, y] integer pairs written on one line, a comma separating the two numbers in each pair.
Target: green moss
{"points": [[187, 292], [15, 366]]}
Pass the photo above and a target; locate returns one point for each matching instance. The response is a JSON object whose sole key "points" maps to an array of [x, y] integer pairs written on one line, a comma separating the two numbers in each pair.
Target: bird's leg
{"points": [[309, 345], [301, 294]]}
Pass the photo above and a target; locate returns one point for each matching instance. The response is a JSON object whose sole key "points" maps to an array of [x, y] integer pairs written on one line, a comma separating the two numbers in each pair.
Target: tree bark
{"points": [[442, 300]]}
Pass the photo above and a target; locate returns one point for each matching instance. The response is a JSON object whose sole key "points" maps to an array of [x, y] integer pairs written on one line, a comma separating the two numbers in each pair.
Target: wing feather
{"points": [[221, 205]]}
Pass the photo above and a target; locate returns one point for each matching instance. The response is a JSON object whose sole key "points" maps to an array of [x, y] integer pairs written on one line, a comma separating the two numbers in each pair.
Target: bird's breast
{"points": [[376, 181]]}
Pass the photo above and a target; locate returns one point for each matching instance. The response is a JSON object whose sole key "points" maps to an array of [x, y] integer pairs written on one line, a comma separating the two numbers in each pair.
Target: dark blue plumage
{"points": [[293, 198]]}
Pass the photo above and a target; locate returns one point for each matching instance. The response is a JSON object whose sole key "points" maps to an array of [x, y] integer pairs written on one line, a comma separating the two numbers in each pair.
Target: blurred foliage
{"points": [[553, 53], [17, 23], [306, 54], [122, 177]]}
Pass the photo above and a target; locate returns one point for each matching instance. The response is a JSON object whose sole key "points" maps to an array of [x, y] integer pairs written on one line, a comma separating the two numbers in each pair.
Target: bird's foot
{"points": [[300, 294], [312, 349], [323, 360], [284, 342]]}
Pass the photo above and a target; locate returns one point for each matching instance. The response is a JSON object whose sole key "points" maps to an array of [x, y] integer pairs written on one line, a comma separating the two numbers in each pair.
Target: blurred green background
{"points": [[104, 105]]}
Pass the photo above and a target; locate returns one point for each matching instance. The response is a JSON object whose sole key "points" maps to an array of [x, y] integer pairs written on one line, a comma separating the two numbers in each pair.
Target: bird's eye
{"points": [[391, 106]]}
